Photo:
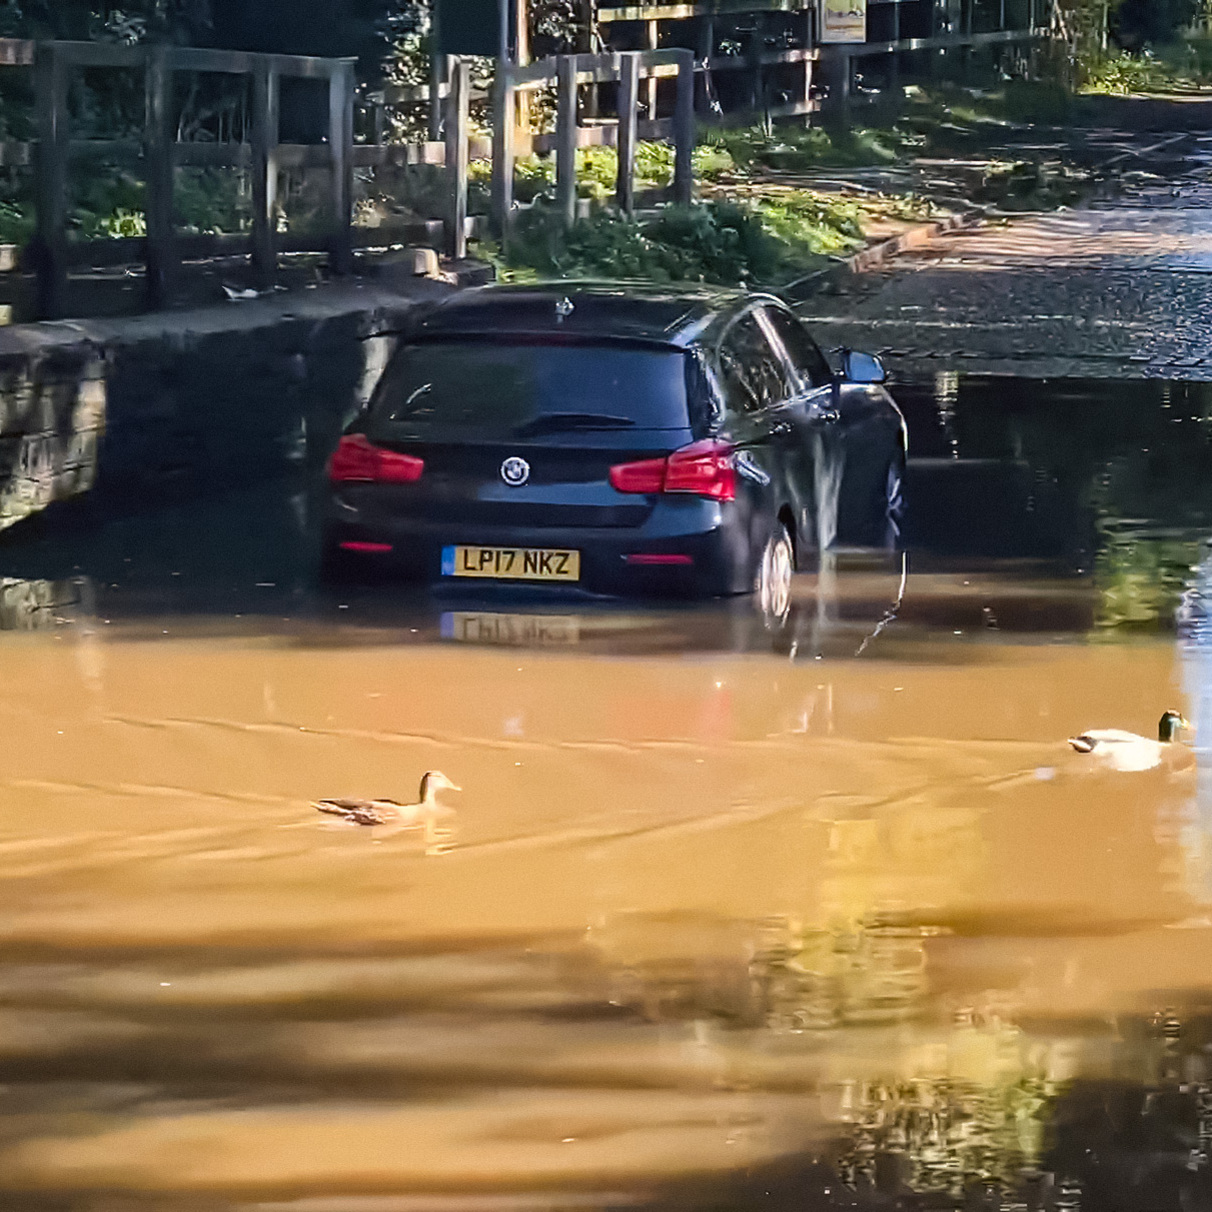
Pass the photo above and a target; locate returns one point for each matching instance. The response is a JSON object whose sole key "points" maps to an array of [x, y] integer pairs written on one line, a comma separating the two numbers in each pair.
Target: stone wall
{"points": [[176, 403]]}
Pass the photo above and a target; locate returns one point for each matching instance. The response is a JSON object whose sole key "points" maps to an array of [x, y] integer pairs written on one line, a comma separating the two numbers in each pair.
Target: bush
{"points": [[717, 242], [1122, 74], [720, 242]]}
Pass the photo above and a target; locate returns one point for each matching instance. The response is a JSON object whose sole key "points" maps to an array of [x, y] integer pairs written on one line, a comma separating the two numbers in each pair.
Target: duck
{"points": [[1128, 752], [385, 812]]}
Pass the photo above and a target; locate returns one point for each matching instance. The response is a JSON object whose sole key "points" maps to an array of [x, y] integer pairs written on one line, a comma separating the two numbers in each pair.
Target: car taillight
{"points": [[648, 475], [357, 460], [706, 469]]}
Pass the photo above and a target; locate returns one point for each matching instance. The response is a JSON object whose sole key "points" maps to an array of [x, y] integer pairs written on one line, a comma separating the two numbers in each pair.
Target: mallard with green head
{"points": [[1128, 752]]}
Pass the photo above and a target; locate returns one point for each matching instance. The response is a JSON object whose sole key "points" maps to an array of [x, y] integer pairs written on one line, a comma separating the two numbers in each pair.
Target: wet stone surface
{"points": [[1117, 289]]}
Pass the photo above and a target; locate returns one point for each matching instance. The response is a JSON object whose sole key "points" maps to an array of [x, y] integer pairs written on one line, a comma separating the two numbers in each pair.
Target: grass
{"points": [[799, 149]]}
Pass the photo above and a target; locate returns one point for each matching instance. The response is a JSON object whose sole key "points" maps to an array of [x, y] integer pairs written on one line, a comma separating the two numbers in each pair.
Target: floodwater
{"points": [[828, 917]]}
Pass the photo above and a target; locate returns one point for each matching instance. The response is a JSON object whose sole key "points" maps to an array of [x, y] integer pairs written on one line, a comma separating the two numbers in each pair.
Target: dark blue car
{"points": [[615, 439]]}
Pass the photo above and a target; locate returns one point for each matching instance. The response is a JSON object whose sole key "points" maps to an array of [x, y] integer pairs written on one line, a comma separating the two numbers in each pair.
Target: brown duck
{"points": [[377, 812]]}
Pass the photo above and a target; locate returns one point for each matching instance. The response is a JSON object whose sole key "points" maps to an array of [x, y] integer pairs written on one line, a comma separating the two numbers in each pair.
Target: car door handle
{"points": [[829, 416]]}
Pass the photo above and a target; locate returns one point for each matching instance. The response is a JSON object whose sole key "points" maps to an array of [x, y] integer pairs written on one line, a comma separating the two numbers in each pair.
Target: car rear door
{"points": [[814, 414], [758, 387]]}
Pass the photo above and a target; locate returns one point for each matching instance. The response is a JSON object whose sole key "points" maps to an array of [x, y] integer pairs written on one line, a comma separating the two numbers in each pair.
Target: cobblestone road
{"points": [[1121, 288]]}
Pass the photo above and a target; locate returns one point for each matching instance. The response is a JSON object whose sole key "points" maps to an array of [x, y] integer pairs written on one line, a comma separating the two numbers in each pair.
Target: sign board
{"points": [[843, 20], [468, 27]]}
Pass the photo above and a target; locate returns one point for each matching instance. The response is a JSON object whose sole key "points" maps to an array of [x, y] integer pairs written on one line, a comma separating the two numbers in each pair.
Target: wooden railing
{"points": [[569, 72], [53, 63]]}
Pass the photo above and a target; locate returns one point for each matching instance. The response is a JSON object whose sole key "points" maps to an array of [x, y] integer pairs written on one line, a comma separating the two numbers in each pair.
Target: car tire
{"points": [[892, 507], [772, 581], [887, 508]]}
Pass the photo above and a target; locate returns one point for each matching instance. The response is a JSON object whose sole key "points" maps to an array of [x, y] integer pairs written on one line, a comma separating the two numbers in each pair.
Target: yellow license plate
{"points": [[471, 627], [512, 563]]}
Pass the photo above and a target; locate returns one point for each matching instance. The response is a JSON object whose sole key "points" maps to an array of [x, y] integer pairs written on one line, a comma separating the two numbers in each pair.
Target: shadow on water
{"points": [[853, 928]]}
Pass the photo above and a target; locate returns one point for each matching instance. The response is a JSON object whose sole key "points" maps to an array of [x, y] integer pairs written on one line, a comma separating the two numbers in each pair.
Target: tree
{"points": [[128, 21], [1136, 24]]}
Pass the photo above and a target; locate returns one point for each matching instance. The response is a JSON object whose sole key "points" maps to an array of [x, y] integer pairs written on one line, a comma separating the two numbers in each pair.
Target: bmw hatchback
{"points": [[614, 440]]}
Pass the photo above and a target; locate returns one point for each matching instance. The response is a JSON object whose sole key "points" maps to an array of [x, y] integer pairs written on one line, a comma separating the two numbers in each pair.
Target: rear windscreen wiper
{"points": [[554, 422]]}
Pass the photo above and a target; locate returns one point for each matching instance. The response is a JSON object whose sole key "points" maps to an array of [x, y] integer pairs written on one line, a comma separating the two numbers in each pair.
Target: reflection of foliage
{"points": [[952, 1133], [1140, 578], [825, 978]]}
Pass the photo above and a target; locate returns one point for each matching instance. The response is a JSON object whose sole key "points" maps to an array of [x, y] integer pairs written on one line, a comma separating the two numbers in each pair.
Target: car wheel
{"points": [[772, 584], [893, 505]]}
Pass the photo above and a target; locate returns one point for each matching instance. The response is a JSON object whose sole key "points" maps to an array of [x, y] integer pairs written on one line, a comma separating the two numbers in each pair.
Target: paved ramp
{"points": [[1119, 288]]}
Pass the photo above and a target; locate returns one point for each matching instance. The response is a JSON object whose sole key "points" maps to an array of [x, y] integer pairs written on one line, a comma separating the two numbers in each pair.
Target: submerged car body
{"points": [[616, 439]]}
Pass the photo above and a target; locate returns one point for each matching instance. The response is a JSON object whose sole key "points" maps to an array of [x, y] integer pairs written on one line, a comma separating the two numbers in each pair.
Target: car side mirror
{"points": [[862, 367]]}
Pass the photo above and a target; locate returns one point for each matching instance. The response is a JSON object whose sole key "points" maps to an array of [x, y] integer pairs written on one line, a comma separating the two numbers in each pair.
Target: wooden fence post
{"points": [[683, 130], [936, 55], [340, 148], [894, 62], [838, 71], [652, 40], [456, 157], [566, 138], [267, 94], [810, 45], [50, 72], [755, 44], [629, 96], [502, 150], [159, 139], [705, 36], [439, 74]]}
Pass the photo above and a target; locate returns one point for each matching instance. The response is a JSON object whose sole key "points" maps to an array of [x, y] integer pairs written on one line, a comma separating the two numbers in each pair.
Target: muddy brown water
{"points": [[829, 916]]}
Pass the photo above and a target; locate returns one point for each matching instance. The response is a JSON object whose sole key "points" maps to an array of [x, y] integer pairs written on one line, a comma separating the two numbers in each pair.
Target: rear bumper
{"points": [[707, 533]]}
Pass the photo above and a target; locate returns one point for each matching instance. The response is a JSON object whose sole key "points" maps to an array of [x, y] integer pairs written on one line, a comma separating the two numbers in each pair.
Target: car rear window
{"points": [[498, 389]]}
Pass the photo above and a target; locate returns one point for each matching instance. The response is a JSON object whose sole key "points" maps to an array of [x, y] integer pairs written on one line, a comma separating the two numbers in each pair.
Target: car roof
{"points": [[673, 315]]}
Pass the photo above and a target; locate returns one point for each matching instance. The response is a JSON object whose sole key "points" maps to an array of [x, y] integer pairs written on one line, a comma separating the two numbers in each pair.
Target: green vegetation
{"points": [[1122, 74], [1022, 185], [1181, 67], [767, 239], [798, 148], [717, 242], [1140, 578]]}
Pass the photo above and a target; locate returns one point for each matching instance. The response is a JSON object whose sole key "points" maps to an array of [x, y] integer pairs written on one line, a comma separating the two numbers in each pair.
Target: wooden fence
{"points": [[634, 77], [53, 64]]}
